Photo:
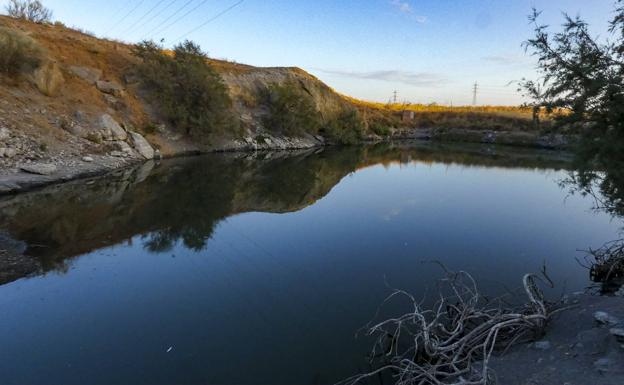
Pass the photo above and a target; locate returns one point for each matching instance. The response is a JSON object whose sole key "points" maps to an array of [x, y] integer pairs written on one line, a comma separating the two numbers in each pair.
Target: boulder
{"points": [[87, 159], [142, 146], [124, 147], [39, 168], [110, 129], [48, 78], [88, 74], [109, 87]]}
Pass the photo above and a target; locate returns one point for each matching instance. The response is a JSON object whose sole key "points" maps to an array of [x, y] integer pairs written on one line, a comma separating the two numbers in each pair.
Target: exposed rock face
{"points": [[142, 146], [88, 74], [124, 148], [110, 87], [110, 129], [39, 168], [48, 78]]}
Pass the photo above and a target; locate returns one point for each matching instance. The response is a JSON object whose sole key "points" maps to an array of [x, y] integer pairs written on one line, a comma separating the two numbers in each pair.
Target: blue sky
{"points": [[427, 50]]}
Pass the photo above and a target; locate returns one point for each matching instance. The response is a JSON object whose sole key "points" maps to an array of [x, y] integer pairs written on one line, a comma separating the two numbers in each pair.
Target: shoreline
{"points": [[16, 180]]}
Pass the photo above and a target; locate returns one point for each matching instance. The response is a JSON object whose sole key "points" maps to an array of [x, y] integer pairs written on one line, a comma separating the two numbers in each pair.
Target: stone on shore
{"points": [[142, 146], [605, 318], [39, 168], [110, 129]]}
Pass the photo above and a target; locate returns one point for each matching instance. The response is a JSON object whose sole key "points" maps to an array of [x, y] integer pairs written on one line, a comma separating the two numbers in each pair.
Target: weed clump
{"points": [[18, 53]]}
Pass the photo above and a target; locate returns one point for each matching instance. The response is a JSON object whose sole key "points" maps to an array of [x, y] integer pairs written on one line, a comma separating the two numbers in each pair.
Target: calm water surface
{"points": [[226, 269]]}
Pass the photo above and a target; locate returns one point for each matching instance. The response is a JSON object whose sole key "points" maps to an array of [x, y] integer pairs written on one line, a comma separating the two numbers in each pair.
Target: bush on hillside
{"points": [[188, 91], [32, 10], [291, 110], [18, 53], [346, 128]]}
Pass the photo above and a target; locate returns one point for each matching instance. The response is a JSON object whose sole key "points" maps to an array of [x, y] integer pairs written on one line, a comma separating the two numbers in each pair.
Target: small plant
{"points": [[291, 110], [150, 128], [18, 52], [31, 10], [380, 129]]}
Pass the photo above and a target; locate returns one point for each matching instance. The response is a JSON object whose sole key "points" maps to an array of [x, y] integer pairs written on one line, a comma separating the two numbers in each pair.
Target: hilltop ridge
{"points": [[83, 110]]}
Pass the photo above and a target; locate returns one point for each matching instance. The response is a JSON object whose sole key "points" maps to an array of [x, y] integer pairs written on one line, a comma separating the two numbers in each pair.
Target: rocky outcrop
{"points": [[48, 78], [110, 87], [142, 146], [88, 74], [110, 129]]}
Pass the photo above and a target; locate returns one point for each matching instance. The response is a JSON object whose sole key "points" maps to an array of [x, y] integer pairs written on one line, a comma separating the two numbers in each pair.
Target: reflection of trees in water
{"points": [[601, 177], [183, 200]]}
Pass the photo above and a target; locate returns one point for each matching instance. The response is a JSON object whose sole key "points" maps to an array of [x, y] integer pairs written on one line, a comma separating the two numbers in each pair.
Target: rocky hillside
{"points": [[83, 103]]}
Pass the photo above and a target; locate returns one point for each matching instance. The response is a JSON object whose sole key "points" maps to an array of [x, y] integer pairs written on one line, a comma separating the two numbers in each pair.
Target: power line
{"points": [[169, 18], [144, 16], [125, 16], [215, 17], [158, 13], [183, 16]]}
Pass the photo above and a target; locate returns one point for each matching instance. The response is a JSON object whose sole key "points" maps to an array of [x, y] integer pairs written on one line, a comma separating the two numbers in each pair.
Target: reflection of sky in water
{"points": [[277, 298]]}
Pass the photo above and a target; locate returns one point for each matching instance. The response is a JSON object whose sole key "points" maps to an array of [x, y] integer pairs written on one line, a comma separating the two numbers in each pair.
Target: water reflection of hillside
{"points": [[184, 199]]}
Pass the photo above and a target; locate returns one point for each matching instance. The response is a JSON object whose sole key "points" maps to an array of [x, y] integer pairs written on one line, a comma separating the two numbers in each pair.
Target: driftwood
{"points": [[607, 262], [452, 342]]}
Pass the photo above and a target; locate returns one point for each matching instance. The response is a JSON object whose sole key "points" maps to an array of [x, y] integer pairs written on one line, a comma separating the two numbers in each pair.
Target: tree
{"points": [[188, 91], [32, 10], [582, 78], [292, 111]]}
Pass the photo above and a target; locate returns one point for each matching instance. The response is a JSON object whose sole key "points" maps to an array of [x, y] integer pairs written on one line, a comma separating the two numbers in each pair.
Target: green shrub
{"points": [[346, 128], [18, 52], [291, 110], [188, 91], [380, 129]]}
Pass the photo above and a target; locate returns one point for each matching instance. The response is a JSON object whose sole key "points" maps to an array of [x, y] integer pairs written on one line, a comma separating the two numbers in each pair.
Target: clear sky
{"points": [[426, 50]]}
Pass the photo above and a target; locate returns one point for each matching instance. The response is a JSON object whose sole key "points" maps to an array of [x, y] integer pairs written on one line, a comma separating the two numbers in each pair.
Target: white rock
{"points": [[541, 345], [118, 154], [90, 75], [618, 333], [4, 133], [111, 130], [605, 318], [39, 168], [87, 159], [110, 88], [142, 145], [10, 152]]}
